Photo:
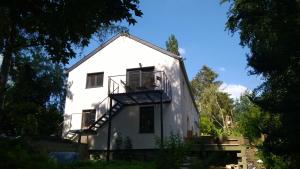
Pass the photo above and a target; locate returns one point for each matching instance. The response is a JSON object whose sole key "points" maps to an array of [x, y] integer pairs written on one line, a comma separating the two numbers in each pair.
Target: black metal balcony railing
{"points": [[139, 82]]}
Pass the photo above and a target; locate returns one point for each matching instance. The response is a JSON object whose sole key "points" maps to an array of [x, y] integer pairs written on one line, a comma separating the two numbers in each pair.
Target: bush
{"points": [[111, 165], [209, 159], [172, 152], [15, 154]]}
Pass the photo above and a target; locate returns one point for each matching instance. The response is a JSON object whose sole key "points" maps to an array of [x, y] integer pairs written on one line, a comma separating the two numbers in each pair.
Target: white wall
{"points": [[114, 59]]}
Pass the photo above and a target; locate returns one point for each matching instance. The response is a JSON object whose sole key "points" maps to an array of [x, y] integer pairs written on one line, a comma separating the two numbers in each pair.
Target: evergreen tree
{"points": [[172, 45], [213, 104], [270, 29]]}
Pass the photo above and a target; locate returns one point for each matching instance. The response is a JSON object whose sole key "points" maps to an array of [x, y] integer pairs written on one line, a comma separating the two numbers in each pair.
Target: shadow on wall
{"points": [[69, 93], [176, 114]]}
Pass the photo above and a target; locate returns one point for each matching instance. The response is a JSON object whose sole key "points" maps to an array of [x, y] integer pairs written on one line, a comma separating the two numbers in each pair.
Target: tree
{"points": [[213, 104], [55, 26], [249, 118], [270, 28], [172, 45], [35, 98]]}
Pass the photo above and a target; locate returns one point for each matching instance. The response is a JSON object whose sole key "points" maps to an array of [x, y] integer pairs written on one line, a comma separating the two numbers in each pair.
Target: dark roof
{"points": [[164, 51]]}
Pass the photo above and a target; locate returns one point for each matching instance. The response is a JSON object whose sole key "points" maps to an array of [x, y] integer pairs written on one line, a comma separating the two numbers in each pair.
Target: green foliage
{"points": [[172, 45], [35, 98], [270, 29], [249, 118], [213, 104], [128, 143], [15, 154], [205, 78], [209, 159], [111, 165], [119, 142], [274, 161], [57, 27], [123, 148], [208, 127], [173, 152]]}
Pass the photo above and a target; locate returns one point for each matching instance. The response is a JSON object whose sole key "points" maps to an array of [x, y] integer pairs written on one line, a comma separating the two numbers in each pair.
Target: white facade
{"points": [[113, 58]]}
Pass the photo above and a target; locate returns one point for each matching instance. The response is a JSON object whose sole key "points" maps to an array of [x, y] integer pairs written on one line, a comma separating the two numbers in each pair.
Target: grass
{"points": [[16, 154], [111, 165]]}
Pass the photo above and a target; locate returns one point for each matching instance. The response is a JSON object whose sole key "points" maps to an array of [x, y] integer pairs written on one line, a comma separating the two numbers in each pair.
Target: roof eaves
{"points": [[164, 51], [188, 84]]}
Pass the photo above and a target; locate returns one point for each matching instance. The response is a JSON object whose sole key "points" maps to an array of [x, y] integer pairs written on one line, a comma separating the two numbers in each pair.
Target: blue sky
{"points": [[199, 26]]}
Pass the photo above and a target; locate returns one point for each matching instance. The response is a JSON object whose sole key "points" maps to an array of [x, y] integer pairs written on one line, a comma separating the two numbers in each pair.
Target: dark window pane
{"points": [[99, 79], [94, 80], [133, 80], [148, 80], [140, 78], [88, 118], [147, 119]]}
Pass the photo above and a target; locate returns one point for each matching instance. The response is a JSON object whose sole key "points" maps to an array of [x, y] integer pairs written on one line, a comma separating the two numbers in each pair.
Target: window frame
{"points": [[83, 119], [91, 74], [140, 83], [141, 129]]}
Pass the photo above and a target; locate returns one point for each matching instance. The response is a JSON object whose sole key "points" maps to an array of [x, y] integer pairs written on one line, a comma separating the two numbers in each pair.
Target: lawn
{"points": [[16, 154], [111, 165]]}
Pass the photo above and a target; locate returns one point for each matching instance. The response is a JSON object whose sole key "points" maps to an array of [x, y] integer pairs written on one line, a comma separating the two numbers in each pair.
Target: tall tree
{"points": [[35, 97], [213, 104], [271, 29], [57, 26], [172, 45], [249, 118]]}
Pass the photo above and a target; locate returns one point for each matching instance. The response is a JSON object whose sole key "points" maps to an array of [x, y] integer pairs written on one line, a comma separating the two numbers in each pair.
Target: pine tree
{"points": [[172, 45], [213, 104]]}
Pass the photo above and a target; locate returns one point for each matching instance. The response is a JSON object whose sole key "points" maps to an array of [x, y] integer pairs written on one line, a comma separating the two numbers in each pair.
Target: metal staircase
{"points": [[101, 121], [151, 87]]}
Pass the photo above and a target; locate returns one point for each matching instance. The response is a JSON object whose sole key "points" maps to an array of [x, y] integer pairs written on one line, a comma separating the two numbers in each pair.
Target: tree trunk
{"points": [[4, 76], [6, 63]]}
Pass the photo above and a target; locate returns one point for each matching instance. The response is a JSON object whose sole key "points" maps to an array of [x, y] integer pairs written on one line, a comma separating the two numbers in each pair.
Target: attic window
{"points": [[94, 80]]}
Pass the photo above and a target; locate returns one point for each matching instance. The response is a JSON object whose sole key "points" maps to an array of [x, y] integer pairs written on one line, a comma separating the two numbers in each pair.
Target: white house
{"points": [[143, 88]]}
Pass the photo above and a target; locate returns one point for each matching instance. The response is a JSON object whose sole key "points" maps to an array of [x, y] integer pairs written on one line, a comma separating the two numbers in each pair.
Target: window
{"points": [[140, 78], [94, 80], [88, 118], [147, 119]]}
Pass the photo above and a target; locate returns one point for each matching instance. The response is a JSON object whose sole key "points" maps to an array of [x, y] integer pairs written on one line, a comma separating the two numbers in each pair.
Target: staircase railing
{"points": [[113, 86]]}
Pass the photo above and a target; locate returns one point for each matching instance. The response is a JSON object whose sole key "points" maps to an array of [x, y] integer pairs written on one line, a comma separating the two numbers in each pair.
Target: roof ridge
{"points": [[103, 45]]}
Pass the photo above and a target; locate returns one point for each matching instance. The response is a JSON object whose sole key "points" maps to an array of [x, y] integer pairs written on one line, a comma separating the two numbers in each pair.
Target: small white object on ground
{"points": [[259, 161]]}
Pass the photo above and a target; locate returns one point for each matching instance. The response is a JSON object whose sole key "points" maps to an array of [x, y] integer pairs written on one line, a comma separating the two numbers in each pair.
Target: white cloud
{"points": [[234, 90], [222, 69], [181, 51]]}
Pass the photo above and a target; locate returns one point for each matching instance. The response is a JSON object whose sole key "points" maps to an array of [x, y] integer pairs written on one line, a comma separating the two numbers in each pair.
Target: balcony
{"points": [[142, 86]]}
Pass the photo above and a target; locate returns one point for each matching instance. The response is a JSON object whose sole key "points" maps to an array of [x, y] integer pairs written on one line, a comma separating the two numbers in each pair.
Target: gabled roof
{"points": [[116, 37], [164, 51]]}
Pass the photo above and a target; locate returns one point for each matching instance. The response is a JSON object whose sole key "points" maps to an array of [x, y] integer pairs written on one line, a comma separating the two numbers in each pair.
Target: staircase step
{"points": [[104, 118], [186, 164]]}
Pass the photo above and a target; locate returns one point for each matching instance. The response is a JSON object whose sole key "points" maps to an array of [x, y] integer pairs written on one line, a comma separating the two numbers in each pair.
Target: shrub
{"points": [[128, 143], [15, 154], [172, 152], [111, 165]]}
